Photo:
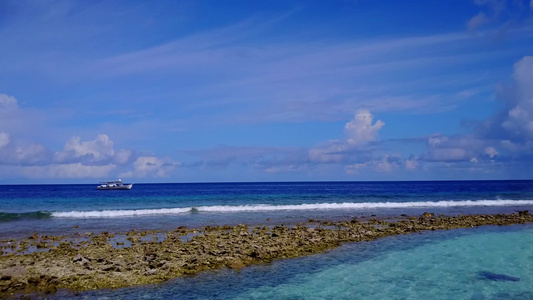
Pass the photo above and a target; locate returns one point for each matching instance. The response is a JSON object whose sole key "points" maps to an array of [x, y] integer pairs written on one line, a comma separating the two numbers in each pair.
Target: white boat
{"points": [[114, 185]]}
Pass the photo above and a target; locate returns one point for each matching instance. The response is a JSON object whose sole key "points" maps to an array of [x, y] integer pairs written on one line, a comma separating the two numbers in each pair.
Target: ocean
{"points": [[454, 264]]}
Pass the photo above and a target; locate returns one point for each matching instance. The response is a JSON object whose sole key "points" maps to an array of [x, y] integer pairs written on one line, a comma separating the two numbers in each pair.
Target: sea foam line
{"points": [[270, 207], [120, 213], [363, 205]]}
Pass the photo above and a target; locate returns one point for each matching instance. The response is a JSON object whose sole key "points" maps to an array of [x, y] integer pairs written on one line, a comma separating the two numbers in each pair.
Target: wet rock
{"points": [[428, 215], [49, 289], [16, 271], [80, 259], [236, 264]]}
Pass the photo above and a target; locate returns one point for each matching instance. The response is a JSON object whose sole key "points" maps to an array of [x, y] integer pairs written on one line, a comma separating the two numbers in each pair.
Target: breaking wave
{"points": [[120, 213], [270, 207]]}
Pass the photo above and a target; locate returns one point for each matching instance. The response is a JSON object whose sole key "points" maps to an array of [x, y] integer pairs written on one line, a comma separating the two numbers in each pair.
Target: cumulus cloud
{"points": [[360, 129], [491, 152], [72, 170], [22, 154], [436, 139], [355, 149], [356, 152], [123, 156], [4, 139], [150, 166], [7, 102], [98, 149], [411, 164], [18, 122], [31, 154], [335, 152], [359, 132], [514, 122], [386, 164], [519, 97], [506, 136], [285, 169], [79, 159]]}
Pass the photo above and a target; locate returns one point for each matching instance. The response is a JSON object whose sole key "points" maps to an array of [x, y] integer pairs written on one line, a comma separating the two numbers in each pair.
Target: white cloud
{"points": [[31, 154], [436, 139], [99, 148], [354, 168], [13, 153], [98, 151], [411, 164], [360, 130], [519, 118], [386, 164], [25, 124], [285, 169], [490, 151], [510, 130], [79, 159], [7, 102], [150, 166], [73, 170], [4, 139], [335, 152], [123, 156]]}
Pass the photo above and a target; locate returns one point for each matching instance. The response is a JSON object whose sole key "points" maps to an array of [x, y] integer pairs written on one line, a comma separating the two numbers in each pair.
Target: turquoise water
{"points": [[430, 265]]}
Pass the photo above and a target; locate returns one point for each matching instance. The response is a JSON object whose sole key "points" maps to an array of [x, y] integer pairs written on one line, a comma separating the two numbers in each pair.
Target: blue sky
{"points": [[203, 91]]}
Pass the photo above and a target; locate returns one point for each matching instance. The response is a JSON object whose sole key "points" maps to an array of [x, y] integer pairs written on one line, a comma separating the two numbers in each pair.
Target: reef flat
{"points": [[44, 264]]}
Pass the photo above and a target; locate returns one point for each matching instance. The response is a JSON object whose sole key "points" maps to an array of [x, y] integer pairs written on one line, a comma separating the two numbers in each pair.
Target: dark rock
{"points": [[50, 289], [496, 277]]}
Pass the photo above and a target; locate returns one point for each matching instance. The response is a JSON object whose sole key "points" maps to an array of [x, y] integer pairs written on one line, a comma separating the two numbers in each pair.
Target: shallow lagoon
{"points": [[428, 265]]}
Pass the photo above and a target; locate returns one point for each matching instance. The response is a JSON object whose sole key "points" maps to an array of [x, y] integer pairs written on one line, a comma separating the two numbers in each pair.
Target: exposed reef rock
{"points": [[44, 264]]}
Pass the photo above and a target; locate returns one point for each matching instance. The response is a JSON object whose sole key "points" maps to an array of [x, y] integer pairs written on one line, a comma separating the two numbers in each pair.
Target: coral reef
{"points": [[44, 264]]}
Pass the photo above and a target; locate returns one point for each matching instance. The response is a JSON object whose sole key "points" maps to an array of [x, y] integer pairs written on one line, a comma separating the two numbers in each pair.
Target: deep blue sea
{"points": [[433, 265]]}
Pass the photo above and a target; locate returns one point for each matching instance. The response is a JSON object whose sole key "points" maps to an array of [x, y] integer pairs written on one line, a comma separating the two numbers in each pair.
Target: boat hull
{"points": [[119, 187]]}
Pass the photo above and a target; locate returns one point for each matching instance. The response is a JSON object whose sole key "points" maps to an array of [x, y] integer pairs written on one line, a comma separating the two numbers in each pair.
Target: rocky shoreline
{"points": [[44, 264]]}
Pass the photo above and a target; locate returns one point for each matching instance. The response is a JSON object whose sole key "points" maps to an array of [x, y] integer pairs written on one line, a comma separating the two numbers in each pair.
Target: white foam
{"points": [[120, 213], [364, 205], [270, 207]]}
